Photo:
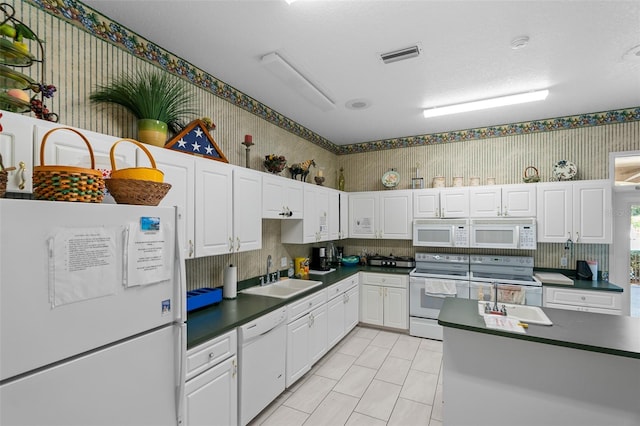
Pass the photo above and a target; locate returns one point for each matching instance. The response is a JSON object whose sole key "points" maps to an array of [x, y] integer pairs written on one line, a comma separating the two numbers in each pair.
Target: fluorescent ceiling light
{"points": [[289, 1], [521, 98], [296, 81]]}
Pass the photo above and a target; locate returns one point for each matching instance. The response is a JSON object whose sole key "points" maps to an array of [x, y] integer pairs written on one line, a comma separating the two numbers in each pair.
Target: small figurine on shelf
{"points": [[341, 180], [320, 176], [301, 169]]}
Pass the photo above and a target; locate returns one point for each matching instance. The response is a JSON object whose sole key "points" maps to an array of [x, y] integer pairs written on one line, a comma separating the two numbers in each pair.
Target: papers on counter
{"points": [[499, 322]]}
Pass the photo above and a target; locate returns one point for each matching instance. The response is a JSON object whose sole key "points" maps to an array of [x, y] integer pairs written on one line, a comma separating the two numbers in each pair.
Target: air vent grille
{"points": [[400, 54]]}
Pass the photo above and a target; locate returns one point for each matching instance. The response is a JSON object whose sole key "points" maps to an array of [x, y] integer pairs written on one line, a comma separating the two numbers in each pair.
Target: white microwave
{"points": [[504, 233], [441, 232]]}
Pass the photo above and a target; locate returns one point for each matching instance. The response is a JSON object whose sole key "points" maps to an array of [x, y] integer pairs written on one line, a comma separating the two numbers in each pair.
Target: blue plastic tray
{"points": [[203, 297]]}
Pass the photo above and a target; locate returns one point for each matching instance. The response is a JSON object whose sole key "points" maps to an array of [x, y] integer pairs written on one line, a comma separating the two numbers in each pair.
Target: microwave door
{"points": [[433, 236], [495, 237]]}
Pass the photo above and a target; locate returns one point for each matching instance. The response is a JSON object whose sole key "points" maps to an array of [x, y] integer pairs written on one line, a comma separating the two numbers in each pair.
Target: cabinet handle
{"points": [[190, 248], [506, 212], [22, 168], [211, 355], [230, 244], [577, 237], [386, 293], [498, 211], [235, 368], [238, 239]]}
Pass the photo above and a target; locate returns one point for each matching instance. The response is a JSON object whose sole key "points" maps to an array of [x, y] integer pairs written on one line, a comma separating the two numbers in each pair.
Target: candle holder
{"points": [[319, 180], [248, 143]]}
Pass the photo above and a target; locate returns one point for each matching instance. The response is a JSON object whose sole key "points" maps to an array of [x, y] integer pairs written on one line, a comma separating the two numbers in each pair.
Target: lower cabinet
{"points": [[602, 302], [306, 335], [211, 390], [384, 300], [342, 309]]}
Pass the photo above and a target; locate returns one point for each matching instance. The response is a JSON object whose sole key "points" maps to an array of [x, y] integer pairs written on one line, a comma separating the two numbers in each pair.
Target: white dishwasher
{"points": [[262, 352]]}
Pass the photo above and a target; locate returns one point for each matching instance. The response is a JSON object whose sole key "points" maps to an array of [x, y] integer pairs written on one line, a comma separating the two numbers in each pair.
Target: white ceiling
{"points": [[576, 50]]}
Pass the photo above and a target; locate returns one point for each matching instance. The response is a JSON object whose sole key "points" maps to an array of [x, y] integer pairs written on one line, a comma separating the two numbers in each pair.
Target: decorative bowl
{"points": [[351, 260], [274, 163]]}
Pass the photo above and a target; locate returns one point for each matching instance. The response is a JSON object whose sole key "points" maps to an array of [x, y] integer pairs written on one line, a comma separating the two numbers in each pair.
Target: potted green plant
{"points": [[157, 99]]}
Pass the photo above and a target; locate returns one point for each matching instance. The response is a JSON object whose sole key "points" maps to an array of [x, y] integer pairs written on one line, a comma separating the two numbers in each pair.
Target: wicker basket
{"points": [[67, 183], [3, 183], [138, 192], [531, 175], [139, 185], [139, 173]]}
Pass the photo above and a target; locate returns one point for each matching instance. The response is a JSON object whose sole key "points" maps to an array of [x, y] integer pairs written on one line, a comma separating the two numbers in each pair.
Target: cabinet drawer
{"points": [[211, 353], [594, 299], [387, 280], [342, 286], [301, 307]]}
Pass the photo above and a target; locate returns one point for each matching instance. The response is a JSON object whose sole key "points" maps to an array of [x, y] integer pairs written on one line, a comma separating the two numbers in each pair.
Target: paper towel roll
{"points": [[230, 290], [593, 265]]}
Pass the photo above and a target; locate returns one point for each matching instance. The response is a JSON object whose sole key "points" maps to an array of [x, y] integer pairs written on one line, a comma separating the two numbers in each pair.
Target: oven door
{"points": [[425, 305], [507, 293]]}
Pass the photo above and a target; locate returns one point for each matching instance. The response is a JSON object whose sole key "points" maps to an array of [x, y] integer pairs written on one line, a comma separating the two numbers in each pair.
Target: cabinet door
{"points": [[363, 220], [247, 223], [371, 304], [273, 201], [213, 208], [335, 320], [519, 200], [351, 309], [334, 215], [485, 201], [395, 215], [179, 171], [426, 203], [16, 147], [311, 222], [395, 308], [592, 212], [454, 202], [322, 199], [211, 398], [554, 207], [294, 198], [318, 334], [297, 349], [344, 215]]}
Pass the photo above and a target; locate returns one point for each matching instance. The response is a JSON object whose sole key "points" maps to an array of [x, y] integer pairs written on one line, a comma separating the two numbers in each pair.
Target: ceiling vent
{"points": [[401, 54]]}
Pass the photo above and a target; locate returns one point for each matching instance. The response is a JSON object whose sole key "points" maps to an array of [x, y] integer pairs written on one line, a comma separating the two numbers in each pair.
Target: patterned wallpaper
{"points": [[84, 49]]}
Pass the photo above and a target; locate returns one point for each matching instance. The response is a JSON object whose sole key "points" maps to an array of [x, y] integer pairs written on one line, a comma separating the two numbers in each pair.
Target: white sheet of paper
{"points": [[500, 322], [149, 254], [364, 224], [82, 264]]}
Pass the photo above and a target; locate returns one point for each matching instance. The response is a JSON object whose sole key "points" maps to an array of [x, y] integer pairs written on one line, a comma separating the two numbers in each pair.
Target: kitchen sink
{"points": [[283, 289], [525, 313]]}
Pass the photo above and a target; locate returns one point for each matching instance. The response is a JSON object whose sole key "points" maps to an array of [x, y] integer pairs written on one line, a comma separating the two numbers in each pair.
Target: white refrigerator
{"points": [[92, 315]]}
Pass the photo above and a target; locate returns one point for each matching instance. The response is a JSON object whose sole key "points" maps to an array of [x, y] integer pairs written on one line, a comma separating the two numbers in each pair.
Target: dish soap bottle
{"points": [[341, 180], [290, 271]]}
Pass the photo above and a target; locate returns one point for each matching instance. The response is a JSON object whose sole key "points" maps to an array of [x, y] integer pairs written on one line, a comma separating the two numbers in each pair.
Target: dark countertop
{"points": [[599, 285], [207, 323], [610, 334]]}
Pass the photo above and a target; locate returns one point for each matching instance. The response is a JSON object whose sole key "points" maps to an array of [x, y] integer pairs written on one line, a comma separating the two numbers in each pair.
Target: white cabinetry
{"points": [[344, 215], [306, 334], [380, 214], [437, 202], [384, 300], [580, 211], [342, 309], [314, 226], [226, 219], [603, 302], [282, 198], [211, 389], [16, 147], [503, 201]]}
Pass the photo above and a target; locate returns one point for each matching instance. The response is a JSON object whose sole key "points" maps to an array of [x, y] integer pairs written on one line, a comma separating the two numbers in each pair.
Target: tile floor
{"points": [[372, 377]]}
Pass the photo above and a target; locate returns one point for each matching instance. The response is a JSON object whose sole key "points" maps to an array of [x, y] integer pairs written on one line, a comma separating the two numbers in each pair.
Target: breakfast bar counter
{"points": [[582, 370]]}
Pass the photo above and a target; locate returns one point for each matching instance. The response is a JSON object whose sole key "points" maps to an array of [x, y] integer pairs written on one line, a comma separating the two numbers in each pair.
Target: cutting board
{"points": [[553, 278]]}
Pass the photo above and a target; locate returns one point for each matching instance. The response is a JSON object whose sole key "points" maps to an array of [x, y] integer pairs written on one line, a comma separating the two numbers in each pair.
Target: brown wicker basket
{"points": [[529, 177], [138, 192], [67, 183], [3, 183]]}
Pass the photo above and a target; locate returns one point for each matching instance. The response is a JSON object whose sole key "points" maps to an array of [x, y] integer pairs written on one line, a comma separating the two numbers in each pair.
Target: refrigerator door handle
{"points": [[182, 274], [182, 374]]}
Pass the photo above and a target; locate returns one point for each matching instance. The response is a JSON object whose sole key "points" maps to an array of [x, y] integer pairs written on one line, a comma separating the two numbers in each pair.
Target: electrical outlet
{"points": [[283, 262], [563, 261]]}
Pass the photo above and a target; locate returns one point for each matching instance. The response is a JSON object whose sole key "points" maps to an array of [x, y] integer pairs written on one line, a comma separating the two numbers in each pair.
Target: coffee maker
{"points": [[319, 261]]}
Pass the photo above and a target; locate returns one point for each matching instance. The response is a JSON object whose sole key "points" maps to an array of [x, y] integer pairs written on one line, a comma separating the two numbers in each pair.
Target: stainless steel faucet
{"points": [[495, 300], [269, 264]]}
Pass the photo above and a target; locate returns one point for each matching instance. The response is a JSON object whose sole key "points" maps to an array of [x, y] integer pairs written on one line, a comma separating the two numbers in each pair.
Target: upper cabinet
{"points": [[579, 211], [441, 203], [502, 201], [381, 214], [314, 227], [16, 147], [282, 198]]}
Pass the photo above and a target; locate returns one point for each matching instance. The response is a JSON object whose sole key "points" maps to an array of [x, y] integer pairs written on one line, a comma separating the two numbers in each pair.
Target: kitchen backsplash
{"points": [[78, 60]]}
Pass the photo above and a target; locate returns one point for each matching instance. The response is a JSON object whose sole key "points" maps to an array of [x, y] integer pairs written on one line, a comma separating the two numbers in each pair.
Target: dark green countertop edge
{"points": [[608, 334], [207, 323], [598, 285]]}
